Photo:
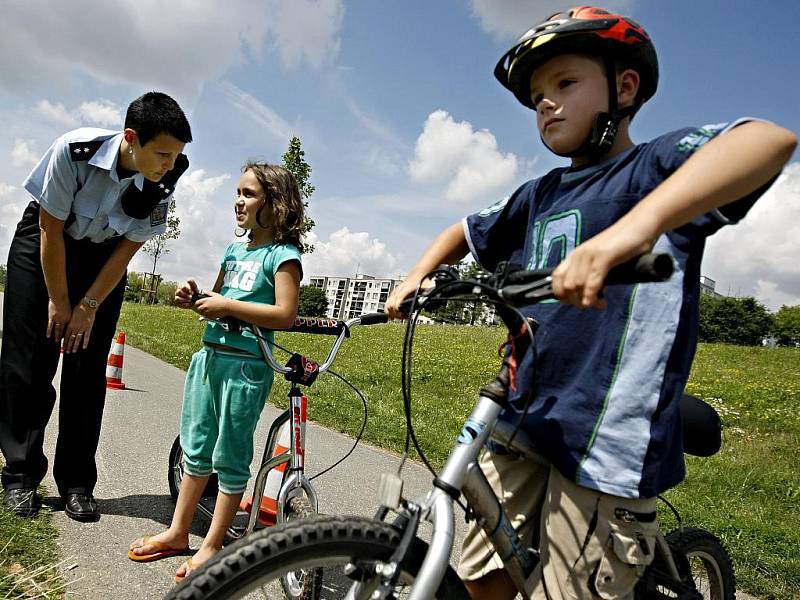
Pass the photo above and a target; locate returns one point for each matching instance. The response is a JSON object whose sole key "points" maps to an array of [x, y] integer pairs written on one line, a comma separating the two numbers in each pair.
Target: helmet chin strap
{"points": [[606, 124]]}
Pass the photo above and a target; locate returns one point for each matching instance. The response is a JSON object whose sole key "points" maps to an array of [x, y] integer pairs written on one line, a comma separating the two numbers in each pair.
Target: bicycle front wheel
{"points": [[710, 565], [346, 549], [305, 584]]}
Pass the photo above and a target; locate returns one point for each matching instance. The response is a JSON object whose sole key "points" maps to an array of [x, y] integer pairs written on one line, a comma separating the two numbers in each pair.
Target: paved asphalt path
{"points": [[139, 426]]}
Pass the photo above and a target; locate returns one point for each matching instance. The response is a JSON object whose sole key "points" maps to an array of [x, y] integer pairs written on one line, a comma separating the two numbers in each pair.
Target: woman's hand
{"points": [[79, 329], [214, 306], [58, 315]]}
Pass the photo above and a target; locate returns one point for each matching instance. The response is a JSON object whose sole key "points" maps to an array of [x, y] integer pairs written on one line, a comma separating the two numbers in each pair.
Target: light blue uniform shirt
{"points": [[91, 189]]}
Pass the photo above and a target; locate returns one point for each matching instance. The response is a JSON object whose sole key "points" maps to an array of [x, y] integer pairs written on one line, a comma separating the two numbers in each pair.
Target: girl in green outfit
{"points": [[228, 383]]}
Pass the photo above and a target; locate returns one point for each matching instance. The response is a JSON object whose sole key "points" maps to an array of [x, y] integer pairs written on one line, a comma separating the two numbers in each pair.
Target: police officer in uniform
{"points": [[98, 196]]}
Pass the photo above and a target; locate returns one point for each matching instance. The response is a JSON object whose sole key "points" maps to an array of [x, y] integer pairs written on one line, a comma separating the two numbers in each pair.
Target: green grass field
{"points": [[747, 494]]}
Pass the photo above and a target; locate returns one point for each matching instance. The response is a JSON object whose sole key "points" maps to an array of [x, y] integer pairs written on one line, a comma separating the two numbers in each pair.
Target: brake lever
{"points": [[421, 300]]}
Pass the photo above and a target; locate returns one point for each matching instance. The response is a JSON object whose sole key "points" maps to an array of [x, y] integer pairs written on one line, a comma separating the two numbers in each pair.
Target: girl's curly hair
{"points": [[284, 208]]}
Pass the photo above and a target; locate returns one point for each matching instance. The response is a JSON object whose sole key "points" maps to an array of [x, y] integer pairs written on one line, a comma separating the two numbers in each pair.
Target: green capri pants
{"points": [[223, 398]]}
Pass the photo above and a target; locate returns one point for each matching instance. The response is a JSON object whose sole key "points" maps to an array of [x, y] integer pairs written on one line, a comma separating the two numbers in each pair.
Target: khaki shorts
{"points": [[591, 543]]}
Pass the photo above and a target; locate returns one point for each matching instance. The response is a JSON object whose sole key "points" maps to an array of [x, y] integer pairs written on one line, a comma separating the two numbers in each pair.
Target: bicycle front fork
{"points": [[294, 418]]}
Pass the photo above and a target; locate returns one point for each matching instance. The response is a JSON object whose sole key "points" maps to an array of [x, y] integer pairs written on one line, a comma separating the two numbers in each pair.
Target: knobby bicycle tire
{"points": [[325, 542], [710, 565], [307, 583]]}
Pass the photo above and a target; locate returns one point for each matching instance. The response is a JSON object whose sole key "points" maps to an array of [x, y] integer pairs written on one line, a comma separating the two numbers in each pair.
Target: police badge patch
{"points": [[159, 214]]}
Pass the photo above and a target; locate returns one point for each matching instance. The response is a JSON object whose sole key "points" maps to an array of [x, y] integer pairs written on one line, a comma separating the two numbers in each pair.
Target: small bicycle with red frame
{"points": [[283, 458]]}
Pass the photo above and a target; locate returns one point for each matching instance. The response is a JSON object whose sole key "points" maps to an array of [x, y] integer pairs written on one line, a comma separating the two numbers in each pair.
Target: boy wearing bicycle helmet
{"points": [[600, 395]]}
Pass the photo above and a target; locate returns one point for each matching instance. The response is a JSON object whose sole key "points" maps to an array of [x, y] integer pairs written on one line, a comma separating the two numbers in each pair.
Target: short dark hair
{"points": [[154, 113]]}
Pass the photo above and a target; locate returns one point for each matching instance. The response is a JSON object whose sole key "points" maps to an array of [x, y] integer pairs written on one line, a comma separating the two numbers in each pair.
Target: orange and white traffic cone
{"points": [[268, 511], [114, 365]]}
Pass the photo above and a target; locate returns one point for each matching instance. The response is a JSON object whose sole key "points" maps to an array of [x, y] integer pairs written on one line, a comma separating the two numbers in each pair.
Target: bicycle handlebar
{"points": [[520, 287], [318, 326]]}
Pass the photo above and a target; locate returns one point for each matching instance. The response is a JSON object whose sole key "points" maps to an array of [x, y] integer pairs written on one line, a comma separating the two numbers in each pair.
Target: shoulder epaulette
{"points": [[162, 189], [139, 204], [79, 151]]}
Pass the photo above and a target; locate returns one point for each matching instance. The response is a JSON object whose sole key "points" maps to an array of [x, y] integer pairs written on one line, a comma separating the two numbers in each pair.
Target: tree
{"points": [[742, 321], [313, 302], [295, 163], [166, 292], [156, 247], [2, 276], [133, 289], [787, 325]]}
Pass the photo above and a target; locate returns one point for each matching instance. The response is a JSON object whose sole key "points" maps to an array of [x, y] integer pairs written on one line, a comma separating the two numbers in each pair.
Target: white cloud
{"points": [[22, 155], [174, 45], [370, 123], [101, 112], [469, 161], [56, 112], [12, 202], [305, 30], [381, 162], [346, 252], [759, 256], [507, 19], [257, 112], [207, 226]]}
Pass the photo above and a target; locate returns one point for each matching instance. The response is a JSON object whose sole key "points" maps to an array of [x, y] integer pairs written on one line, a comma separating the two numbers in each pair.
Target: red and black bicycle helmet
{"points": [[584, 30]]}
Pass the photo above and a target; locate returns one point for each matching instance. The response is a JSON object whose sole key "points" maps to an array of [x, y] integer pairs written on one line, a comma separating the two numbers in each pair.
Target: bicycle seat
{"points": [[702, 427]]}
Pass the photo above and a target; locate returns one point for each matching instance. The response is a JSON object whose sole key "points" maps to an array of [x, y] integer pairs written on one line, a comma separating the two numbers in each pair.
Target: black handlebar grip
{"points": [[650, 267], [374, 318], [405, 305]]}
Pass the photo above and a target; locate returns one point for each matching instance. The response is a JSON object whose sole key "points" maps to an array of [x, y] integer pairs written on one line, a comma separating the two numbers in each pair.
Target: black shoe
{"points": [[24, 502], [81, 507]]}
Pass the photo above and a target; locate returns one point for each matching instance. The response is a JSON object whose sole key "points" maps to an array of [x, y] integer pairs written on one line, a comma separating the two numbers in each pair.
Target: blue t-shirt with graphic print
{"points": [[605, 384], [249, 275]]}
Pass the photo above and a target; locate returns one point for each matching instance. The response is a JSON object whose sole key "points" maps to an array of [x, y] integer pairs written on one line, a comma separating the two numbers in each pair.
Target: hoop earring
{"points": [[237, 234]]}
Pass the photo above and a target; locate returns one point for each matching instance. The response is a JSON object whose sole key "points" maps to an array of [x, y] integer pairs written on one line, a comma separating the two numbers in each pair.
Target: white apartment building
{"points": [[708, 285], [350, 297]]}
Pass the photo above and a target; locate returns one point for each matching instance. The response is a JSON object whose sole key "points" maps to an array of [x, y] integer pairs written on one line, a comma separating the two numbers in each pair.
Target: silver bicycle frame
{"points": [[463, 473], [437, 507], [293, 456]]}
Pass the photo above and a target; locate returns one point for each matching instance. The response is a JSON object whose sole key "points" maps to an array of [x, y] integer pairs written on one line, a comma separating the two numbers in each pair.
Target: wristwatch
{"points": [[90, 302]]}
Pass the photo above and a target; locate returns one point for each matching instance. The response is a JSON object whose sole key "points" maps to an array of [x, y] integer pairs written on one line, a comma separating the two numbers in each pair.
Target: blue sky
{"points": [[396, 106]]}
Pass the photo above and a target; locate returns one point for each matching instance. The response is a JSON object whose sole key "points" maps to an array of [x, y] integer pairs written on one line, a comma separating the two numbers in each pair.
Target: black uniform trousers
{"points": [[29, 360]]}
